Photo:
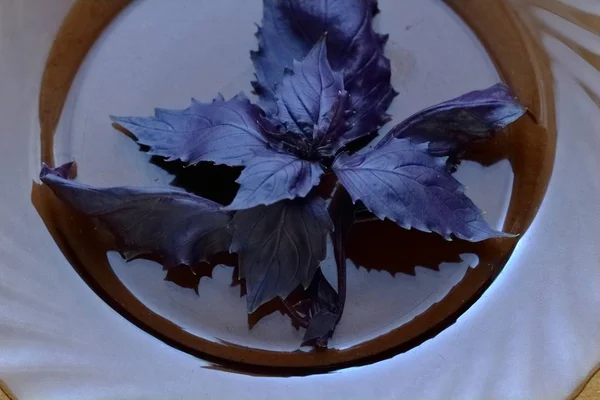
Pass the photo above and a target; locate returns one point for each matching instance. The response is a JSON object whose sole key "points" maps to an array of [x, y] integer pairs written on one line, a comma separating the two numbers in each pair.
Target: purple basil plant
{"points": [[311, 121]]}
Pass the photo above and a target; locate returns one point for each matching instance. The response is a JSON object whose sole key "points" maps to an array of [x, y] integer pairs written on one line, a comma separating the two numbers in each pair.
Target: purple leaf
{"points": [[402, 182], [309, 92], [451, 125], [224, 132], [179, 227], [271, 176], [323, 312], [279, 246], [290, 28], [371, 95], [329, 134]]}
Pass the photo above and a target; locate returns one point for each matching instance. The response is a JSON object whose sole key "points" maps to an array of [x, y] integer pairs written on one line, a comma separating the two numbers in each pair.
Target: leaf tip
{"points": [[118, 121], [64, 171], [253, 303], [383, 38]]}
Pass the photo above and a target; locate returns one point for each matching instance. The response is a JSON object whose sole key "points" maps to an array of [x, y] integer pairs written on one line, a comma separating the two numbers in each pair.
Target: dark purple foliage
{"points": [[313, 105], [290, 28], [279, 246], [224, 132], [400, 181], [308, 93], [323, 82], [271, 177], [452, 125], [178, 227], [322, 310]]}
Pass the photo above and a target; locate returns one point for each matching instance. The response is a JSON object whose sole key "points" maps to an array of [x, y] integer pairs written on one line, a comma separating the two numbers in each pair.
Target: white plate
{"points": [[533, 334]]}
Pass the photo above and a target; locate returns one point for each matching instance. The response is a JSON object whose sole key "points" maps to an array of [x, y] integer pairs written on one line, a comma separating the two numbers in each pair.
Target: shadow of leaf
{"points": [[214, 182], [384, 246]]}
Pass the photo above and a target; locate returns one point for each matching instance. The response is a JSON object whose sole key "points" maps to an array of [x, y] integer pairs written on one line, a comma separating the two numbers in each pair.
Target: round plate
{"points": [[61, 338], [509, 185]]}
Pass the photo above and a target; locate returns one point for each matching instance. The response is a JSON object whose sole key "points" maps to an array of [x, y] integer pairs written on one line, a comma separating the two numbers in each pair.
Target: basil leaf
{"points": [[322, 312], [224, 132], [279, 246], [312, 102], [272, 176], [308, 91], [290, 28], [178, 227], [330, 134], [451, 125], [371, 95], [402, 182]]}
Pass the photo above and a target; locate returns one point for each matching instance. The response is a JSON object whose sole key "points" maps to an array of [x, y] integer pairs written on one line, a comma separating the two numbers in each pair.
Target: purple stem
{"points": [[340, 260], [343, 219]]}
